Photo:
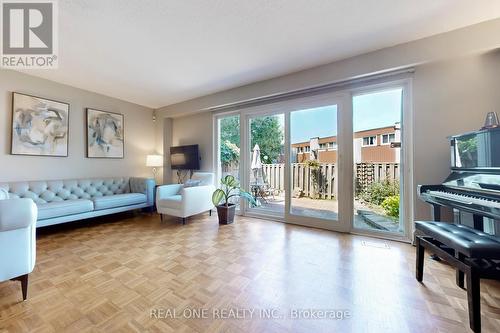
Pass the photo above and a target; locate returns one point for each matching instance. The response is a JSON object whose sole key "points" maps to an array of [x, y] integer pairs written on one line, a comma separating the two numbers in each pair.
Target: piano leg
{"points": [[478, 222], [436, 213], [419, 271]]}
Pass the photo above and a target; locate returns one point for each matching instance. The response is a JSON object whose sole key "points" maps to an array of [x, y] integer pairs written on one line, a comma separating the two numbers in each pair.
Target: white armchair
{"points": [[17, 239], [176, 200]]}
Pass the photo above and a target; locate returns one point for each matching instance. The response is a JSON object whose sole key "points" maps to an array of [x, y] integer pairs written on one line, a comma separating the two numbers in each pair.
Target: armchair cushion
{"points": [[172, 202]]}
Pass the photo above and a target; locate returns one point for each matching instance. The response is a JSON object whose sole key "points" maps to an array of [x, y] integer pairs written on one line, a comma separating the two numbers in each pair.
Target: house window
{"points": [[322, 146], [332, 145], [388, 138], [307, 149], [370, 141]]}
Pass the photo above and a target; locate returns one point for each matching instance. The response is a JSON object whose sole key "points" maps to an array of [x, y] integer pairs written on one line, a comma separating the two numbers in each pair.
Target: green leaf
{"points": [[248, 196], [230, 181], [225, 180], [217, 196]]}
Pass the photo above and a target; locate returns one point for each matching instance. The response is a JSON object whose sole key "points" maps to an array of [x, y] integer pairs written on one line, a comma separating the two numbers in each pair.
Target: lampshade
{"points": [[154, 161]]}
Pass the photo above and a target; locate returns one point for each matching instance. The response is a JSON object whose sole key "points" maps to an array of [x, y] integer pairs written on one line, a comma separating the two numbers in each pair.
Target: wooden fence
{"points": [[302, 179], [368, 173]]}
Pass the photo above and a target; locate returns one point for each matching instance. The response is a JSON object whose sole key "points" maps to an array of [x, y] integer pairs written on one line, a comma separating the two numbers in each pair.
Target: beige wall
{"points": [[139, 134], [196, 129], [450, 97], [457, 80]]}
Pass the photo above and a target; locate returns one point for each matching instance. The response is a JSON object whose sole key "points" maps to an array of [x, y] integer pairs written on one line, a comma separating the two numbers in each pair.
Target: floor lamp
{"points": [[154, 161]]}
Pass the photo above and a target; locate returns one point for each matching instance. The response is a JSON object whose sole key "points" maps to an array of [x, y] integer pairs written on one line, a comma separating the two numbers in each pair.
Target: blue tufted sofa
{"points": [[60, 201]]}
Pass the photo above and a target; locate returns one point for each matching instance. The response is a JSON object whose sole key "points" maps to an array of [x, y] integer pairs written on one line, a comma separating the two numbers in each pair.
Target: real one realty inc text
{"points": [[250, 313]]}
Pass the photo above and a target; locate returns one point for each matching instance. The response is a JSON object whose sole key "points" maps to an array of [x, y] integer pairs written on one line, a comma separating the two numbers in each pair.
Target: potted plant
{"points": [[230, 187]]}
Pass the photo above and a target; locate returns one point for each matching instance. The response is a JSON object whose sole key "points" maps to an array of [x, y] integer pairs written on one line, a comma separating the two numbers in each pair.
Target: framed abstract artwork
{"points": [[105, 134], [40, 126]]}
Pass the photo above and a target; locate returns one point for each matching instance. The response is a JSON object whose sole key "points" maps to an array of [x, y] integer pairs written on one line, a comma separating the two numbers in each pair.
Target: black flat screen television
{"points": [[185, 157]]}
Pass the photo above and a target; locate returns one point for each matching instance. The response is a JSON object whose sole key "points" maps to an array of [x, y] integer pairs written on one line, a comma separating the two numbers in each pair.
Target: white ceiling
{"points": [[159, 52]]}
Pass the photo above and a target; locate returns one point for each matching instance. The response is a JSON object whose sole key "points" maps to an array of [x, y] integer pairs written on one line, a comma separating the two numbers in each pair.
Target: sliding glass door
{"points": [[291, 161], [266, 168], [334, 161], [313, 163], [377, 151]]}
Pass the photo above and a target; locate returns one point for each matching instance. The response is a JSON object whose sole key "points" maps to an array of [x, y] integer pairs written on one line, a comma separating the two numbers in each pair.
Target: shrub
{"points": [[376, 193], [229, 152], [391, 205], [317, 177], [313, 164]]}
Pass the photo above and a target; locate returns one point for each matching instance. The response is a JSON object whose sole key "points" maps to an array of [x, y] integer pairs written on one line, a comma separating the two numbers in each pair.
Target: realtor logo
{"points": [[29, 34]]}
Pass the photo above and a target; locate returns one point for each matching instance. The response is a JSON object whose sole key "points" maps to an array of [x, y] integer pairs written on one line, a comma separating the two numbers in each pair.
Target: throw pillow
{"points": [[192, 183]]}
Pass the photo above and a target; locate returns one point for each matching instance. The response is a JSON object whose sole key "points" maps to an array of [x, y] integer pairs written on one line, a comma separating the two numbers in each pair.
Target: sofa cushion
{"points": [[64, 208], [43, 192], [119, 200], [173, 202]]}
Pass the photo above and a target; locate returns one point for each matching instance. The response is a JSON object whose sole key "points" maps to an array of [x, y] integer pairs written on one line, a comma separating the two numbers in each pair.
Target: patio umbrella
{"points": [[256, 165]]}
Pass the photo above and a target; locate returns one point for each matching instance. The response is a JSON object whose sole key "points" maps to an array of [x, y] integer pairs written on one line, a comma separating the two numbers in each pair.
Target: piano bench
{"points": [[473, 253]]}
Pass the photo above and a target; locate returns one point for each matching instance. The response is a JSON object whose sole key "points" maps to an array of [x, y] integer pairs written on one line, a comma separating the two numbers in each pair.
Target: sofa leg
{"points": [[161, 217], [210, 212], [24, 284], [183, 220]]}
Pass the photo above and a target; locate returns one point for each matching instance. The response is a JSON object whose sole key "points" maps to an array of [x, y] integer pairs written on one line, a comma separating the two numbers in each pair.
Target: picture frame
{"points": [[105, 134], [39, 126]]}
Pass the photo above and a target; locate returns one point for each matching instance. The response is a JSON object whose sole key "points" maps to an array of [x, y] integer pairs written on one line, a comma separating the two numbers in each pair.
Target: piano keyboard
{"points": [[465, 199]]}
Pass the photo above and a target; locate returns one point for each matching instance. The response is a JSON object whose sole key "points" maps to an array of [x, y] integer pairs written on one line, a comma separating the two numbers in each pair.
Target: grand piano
{"points": [[472, 189], [474, 183]]}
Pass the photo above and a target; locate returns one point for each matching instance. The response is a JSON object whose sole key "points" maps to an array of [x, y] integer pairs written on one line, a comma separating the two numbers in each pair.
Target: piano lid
{"points": [[476, 150], [474, 181]]}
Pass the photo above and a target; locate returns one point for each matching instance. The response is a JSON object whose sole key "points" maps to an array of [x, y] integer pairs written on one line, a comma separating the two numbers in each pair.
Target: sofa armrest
{"points": [[3, 194], [145, 186], [17, 214], [165, 191]]}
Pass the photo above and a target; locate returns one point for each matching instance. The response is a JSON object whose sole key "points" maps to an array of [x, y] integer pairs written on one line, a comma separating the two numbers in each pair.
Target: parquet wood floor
{"points": [[109, 277]]}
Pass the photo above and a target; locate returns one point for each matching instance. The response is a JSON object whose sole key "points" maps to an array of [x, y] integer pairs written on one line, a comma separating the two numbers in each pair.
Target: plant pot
{"points": [[226, 213]]}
